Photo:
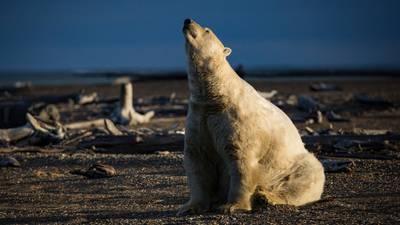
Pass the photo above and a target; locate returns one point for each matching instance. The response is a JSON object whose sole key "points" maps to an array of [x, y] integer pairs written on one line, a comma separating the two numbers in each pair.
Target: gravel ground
{"points": [[149, 188]]}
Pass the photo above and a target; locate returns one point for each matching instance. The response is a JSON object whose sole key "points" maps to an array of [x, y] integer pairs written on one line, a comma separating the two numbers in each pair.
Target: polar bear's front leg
{"points": [[242, 185], [201, 181]]}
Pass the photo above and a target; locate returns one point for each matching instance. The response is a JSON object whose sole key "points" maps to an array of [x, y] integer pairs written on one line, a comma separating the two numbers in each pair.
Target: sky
{"points": [[141, 35]]}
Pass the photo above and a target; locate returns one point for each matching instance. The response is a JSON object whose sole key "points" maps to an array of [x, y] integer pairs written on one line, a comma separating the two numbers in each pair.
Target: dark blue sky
{"points": [[120, 34]]}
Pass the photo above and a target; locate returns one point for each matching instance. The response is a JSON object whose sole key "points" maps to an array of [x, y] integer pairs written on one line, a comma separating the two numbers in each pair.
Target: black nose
{"points": [[187, 21]]}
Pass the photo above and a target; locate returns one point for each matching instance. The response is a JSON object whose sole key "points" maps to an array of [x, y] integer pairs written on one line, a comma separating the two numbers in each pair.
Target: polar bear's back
{"points": [[276, 125]]}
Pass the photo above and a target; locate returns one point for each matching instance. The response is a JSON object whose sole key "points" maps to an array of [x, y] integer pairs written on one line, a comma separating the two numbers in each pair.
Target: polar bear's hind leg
{"points": [[302, 184]]}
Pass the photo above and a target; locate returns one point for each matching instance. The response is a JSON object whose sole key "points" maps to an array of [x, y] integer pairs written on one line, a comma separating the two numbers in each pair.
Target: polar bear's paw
{"points": [[191, 208], [234, 207]]}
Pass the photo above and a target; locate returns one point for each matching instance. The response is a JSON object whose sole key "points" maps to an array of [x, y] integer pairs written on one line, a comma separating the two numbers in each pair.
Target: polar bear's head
{"points": [[203, 47]]}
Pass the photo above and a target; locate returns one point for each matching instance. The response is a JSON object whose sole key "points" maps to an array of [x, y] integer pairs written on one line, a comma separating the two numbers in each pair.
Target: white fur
{"points": [[237, 143]]}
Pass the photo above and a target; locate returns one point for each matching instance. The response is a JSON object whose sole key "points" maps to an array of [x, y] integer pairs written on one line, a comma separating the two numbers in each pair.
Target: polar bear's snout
{"points": [[187, 22], [191, 29]]}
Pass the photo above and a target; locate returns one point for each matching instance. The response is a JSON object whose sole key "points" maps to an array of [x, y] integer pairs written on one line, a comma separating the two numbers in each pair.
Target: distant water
{"points": [[15, 79], [71, 78]]}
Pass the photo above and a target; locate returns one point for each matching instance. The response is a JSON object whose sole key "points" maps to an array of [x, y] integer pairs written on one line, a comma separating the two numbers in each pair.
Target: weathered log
{"points": [[15, 134], [96, 171], [9, 161], [332, 139], [39, 131], [111, 128], [75, 139], [362, 155], [125, 113], [324, 87], [50, 113], [83, 98], [130, 144], [337, 166], [56, 131], [31, 149], [333, 117], [85, 124], [98, 123], [45, 133]]}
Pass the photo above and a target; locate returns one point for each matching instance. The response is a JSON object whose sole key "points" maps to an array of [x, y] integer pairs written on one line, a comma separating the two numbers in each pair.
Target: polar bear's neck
{"points": [[214, 86]]}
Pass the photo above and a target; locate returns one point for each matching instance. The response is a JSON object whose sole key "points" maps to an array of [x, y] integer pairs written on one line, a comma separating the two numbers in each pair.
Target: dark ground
{"points": [[149, 188]]}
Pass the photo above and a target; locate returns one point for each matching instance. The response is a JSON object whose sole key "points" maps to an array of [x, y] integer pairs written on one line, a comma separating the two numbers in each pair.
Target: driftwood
{"points": [[49, 113], [135, 144], [352, 146], [125, 113], [31, 149], [333, 117], [330, 140], [337, 166], [372, 101], [85, 124], [34, 127], [42, 133], [15, 134], [107, 124], [98, 123], [44, 130], [362, 155], [96, 171], [268, 95], [130, 144], [83, 98], [9, 161], [324, 87]]}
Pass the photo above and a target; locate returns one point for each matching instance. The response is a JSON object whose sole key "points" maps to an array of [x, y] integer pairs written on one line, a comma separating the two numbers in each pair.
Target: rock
{"points": [[9, 161], [97, 170]]}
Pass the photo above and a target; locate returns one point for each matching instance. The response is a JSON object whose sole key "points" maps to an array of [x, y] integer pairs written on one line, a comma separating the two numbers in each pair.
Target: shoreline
{"points": [[21, 79]]}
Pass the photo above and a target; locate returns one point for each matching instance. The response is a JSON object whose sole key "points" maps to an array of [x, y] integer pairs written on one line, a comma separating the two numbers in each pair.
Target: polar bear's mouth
{"points": [[188, 31]]}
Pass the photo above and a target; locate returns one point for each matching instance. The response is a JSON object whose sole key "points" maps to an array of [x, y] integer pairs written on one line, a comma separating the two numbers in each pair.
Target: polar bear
{"points": [[238, 144]]}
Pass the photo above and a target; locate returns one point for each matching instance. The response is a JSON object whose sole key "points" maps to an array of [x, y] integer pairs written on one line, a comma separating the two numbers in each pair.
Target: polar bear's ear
{"points": [[227, 51]]}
